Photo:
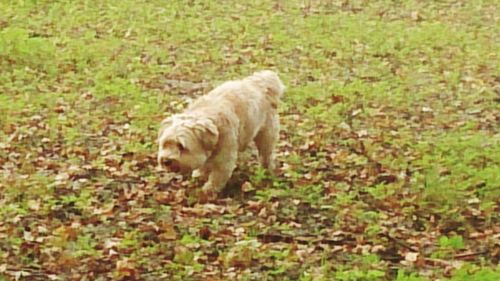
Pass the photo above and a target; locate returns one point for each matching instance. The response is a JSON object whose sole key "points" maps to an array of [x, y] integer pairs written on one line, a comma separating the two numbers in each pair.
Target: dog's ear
{"points": [[182, 143], [163, 125], [207, 132]]}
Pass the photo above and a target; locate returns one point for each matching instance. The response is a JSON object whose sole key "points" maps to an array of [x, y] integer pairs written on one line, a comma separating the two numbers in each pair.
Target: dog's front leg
{"points": [[221, 171], [217, 180]]}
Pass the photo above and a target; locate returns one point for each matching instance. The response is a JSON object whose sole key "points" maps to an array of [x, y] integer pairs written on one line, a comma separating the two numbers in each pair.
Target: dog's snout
{"points": [[167, 162], [170, 165]]}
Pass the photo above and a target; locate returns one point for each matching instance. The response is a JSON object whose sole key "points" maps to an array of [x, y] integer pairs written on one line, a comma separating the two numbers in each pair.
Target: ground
{"points": [[388, 158]]}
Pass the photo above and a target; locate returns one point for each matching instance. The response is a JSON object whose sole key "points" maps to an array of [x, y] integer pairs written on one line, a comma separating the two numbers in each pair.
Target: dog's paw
{"points": [[208, 193], [207, 196]]}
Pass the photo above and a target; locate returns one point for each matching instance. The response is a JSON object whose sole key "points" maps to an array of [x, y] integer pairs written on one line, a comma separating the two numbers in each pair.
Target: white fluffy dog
{"points": [[209, 134]]}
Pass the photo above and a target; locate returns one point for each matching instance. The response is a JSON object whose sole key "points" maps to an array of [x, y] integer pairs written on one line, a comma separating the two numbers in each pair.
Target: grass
{"points": [[389, 152]]}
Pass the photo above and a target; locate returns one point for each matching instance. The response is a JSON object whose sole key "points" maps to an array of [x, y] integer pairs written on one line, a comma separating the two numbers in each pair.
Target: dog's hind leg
{"points": [[266, 141]]}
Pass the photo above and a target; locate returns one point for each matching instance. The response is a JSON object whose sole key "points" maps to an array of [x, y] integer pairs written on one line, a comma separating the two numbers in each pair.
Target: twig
{"points": [[466, 255], [439, 262], [401, 243]]}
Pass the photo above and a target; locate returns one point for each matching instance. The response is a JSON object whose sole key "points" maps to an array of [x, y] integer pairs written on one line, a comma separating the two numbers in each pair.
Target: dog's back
{"points": [[251, 103], [268, 80], [251, 88]]}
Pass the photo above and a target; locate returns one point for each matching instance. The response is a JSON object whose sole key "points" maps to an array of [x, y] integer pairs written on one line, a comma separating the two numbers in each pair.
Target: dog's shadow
{"points": [[244, 172], [232, 190], [246, 167], [233, 186]]}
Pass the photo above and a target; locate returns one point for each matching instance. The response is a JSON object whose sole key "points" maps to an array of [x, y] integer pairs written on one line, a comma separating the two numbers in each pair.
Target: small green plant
{"points": [[361, 275], [455, 242], [17, 44], [403, 276], [472, 272]]}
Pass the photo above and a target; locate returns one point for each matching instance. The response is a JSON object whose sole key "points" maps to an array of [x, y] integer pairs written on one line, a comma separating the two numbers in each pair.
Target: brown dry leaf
{"points": [[411, 256], [66, 259], [34, 205], [247, 187], [169, 232], [239, 257], [126, 269], [66, 233], [164, 197]]}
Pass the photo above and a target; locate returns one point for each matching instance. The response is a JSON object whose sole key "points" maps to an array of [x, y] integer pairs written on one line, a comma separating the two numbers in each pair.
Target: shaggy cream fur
{"points": [[209, 134]]}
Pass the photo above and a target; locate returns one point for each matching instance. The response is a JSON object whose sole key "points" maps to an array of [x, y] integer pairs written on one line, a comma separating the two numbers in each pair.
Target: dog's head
{"points": [[186, 142]]}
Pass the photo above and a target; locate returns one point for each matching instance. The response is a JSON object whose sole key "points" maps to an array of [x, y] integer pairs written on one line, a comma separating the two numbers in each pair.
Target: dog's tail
{"points": [[269, 81]]}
